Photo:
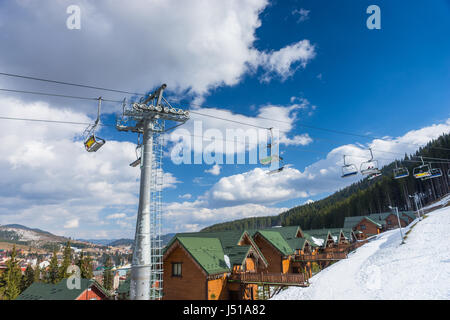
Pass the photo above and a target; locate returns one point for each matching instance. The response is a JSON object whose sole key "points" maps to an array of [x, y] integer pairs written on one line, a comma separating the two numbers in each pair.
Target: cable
{"points": [[141, 94], [68, 83]]}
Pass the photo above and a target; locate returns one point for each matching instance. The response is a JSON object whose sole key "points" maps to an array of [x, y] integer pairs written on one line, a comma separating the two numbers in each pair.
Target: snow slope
{"points": [[384, 269]]}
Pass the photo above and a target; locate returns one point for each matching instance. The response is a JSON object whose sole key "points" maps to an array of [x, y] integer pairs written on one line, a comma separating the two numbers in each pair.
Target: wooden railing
{"points": [[293, 279], [321, 256]]}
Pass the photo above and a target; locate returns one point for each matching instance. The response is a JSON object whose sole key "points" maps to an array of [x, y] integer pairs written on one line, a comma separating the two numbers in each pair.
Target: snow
{"points": [[318, 242], [384, 269], [441, 203], [25, 235]]}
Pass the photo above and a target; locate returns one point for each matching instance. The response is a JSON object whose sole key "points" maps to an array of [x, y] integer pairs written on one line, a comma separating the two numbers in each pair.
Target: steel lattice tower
{"points": [[148, 118]]}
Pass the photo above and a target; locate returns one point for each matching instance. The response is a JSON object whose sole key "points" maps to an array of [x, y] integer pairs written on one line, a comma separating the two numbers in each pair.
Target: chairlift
{"points": [[401, 172], [92, 143], [272, 158], [370, 167], [422, 171], [137, 162], [348, 170], [373, 176]]}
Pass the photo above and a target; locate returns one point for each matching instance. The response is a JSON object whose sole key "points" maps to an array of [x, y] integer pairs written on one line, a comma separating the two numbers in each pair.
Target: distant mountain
{"points": [[100, 242], [121, 242], [22, 234]]}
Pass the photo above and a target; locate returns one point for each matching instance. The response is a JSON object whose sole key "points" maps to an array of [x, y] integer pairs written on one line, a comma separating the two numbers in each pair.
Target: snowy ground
{"points": [[384, 269]]}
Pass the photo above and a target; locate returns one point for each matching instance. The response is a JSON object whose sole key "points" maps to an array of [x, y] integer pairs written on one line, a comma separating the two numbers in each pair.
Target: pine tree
{"points": [[85, 265], [28, 278], [37, 270], [53, 269], [67, 261], [11, 278], [108, 275]]}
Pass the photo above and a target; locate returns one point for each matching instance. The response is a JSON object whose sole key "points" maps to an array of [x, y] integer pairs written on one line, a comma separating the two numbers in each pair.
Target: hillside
{"points": [[22, 235], [363, 197], [384, 269]]}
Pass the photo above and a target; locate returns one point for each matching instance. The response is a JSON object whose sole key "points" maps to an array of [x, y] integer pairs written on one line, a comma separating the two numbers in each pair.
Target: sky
{"points": [[294, 66]]}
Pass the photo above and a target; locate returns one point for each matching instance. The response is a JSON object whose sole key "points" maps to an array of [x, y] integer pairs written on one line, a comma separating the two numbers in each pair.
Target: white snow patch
{"points": [[384, 269], [317, 241]]}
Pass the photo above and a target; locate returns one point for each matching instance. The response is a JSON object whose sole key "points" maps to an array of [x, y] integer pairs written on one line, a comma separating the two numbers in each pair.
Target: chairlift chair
{"points": [[370, 167], [272, 158], [92, 143], [434, 173], [373, 175], [348, 170], [139, 147], [422, 171], [401, 172]]}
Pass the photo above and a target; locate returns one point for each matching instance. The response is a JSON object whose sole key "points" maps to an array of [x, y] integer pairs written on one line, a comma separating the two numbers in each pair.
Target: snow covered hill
{"points": [[384, 269]]}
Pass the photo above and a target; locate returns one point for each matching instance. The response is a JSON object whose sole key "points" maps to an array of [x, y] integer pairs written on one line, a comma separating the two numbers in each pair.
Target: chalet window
{"points": [[176, 269], [363, 227], [389, 221]]}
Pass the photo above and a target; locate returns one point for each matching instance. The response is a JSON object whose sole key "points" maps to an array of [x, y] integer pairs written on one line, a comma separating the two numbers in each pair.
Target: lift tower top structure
{"points": [[148, 118]]}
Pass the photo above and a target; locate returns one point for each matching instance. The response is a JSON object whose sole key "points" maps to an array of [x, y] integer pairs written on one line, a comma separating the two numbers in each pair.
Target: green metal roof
{"points": [[208, 254], [277, 240], [58, 291], [376, 218], [209, 249]]}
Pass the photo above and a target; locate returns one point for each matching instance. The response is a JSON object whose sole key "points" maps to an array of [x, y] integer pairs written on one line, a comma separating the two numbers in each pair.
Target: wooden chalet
{"points": [[280, 245], [212, 266], [364, 225]]}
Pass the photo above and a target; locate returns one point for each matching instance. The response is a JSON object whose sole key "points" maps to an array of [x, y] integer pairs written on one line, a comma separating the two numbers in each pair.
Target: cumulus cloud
{"points": [[193, 46], [214, 170], [51, 182], [320, 177], [205, 135], [193, 216]]}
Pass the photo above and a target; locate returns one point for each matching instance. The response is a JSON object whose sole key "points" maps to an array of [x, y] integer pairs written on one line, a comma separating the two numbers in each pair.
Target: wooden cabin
{"points": [[89, 290], [279, 245], [205, 266], [364, 224]]}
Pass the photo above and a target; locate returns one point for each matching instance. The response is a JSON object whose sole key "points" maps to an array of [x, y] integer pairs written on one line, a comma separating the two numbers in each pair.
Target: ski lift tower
{"points": [[148, 118]]}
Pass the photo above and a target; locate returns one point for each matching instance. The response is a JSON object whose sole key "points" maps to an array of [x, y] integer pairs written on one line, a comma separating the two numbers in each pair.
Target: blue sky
{"points": [[321, 68]]}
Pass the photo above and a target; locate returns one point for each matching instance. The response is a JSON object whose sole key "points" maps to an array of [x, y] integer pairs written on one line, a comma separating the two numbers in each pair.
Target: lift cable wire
{"points": [[195, 112], [443, 161]]}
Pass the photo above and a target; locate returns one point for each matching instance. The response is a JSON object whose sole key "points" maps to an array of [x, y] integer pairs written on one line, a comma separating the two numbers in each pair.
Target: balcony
{"points": [[289, 279], [326, 256]]}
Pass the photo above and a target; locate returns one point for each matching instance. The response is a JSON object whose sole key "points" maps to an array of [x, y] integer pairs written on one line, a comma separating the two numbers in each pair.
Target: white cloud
{"points": [[283, 63], [116, 216], [186, 196], [73, 223], [193, 216], [323, 176], [215, 170], [193, 46], [303, 14], [48, 178]]}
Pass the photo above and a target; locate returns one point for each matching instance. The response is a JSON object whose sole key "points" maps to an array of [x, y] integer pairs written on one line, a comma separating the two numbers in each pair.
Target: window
{"points": [[176, 269], [363, 227], [389, 222]]}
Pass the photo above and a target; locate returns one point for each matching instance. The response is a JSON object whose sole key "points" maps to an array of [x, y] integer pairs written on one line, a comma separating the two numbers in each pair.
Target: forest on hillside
{"points": [[363, 197]]}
